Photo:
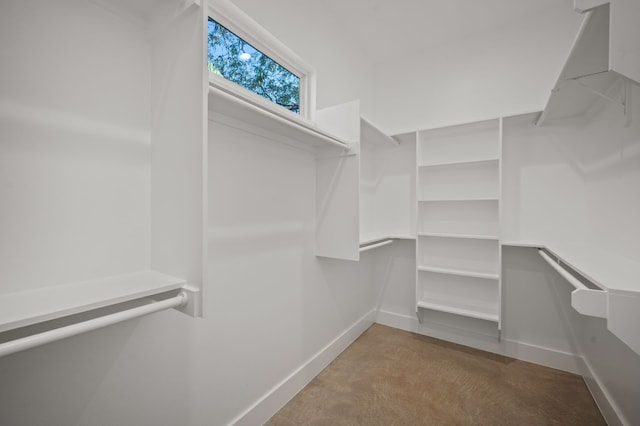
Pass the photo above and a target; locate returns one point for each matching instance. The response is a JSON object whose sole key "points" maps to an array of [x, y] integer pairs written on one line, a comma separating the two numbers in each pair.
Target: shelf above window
{"points": [[230, 105], [29, 307]]}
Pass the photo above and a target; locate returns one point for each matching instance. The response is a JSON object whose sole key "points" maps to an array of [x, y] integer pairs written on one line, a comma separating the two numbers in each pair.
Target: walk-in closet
{"points": [[289, 212]]}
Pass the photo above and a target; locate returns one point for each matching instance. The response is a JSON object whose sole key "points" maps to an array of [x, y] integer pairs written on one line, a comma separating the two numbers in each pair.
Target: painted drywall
{"points": [[272, 304], [505, 71], [611, 167], [74, 157]]}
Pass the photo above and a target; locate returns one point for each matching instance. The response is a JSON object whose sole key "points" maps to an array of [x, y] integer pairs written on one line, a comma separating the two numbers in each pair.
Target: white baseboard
{"points": [[607, 405], [523, 351], [281, 393]]}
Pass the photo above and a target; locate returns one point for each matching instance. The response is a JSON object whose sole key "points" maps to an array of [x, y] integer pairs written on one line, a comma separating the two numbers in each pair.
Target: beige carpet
{"points": [[392, 377]]}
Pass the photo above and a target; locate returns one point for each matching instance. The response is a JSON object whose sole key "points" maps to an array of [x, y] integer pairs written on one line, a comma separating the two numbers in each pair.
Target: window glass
{"points": [[238, 61]]}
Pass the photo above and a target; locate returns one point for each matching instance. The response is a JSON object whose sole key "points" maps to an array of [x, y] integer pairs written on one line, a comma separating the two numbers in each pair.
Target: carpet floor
{"points": [[393, 377]]}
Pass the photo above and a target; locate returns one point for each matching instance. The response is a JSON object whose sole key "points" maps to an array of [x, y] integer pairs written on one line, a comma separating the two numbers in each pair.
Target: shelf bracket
{"points": [[599, 93]]}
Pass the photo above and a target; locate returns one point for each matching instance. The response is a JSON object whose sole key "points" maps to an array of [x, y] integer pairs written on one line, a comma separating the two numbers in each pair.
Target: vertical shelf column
{"points": [[458, 215]]}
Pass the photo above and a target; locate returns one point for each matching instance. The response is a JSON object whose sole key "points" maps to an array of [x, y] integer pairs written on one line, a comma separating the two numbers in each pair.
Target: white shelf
{"points": [[461, 180], [460, 163], [459, 217], [458, 272], [463, 236], [250, 112], [607, 270], [461, 143], [29, 307], [618, 276], [467, 311], [461, 198]]}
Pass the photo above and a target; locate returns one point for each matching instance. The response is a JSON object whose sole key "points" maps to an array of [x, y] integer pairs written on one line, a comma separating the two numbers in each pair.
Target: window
{"points": [[239, 62]]}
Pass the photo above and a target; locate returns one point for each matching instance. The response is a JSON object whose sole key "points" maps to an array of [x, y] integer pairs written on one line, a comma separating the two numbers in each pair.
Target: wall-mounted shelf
{"points": [[29, 307], [598, 58], [455, 307], [476, 217], [363, 201], [464, 236], [249, 112], [617, 276], [460, 295], [459, 163], [459, 272]]}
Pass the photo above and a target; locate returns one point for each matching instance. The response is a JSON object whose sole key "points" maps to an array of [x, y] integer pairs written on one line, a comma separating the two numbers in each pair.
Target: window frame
{"points": [[241, 24]]}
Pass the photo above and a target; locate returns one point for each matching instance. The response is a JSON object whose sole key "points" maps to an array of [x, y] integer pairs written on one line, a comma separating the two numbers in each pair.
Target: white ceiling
{"points": [[392, 29]]}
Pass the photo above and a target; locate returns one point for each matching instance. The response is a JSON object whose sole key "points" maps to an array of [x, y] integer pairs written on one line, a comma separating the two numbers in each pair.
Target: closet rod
{"points": [[563, 272], [29, 342], [372, 246]]}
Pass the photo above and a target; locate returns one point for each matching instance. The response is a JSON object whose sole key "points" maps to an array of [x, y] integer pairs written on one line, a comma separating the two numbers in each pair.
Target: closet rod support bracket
{"points": [[193, 305]]}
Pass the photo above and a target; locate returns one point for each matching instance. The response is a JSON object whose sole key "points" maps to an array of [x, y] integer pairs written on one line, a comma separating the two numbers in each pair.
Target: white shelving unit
{"points": [[458, 190], [21, 309], [365, 198]]}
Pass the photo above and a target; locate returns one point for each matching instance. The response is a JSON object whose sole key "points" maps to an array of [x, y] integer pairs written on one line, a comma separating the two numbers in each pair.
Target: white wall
{"points": [[74, 155], [272, 304], [343, 71], [506, 71], [611, 166]]}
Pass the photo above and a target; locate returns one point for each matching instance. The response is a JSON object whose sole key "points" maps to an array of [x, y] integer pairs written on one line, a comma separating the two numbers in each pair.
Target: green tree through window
{"points": [[238, 61]]}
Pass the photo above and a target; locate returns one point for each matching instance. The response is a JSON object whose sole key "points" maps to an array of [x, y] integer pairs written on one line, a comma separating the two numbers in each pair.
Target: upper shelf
{"points": [[29, 307], [605, 269], [592, 66], [252, 111], [618, 276]]}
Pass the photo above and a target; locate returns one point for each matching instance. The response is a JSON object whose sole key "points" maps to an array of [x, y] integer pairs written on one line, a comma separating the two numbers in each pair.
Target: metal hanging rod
{"points": [[372, 246], [563, 272], [32, 341]]}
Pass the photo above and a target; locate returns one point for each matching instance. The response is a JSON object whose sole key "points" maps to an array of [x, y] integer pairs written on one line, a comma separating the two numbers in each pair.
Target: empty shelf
{"points": [[467, 311], [459, 272], [242, 112], [43, 304], [460, 162]]}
